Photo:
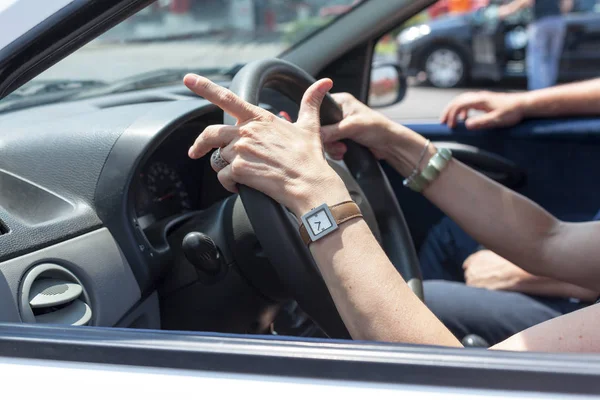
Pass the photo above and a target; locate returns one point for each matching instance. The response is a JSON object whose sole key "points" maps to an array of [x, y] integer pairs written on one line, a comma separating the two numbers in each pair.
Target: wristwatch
{"points": [[323, 220]]}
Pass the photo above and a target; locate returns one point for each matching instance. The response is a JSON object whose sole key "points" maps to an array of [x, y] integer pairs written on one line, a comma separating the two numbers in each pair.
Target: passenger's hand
{"points": [[283, 160], [501, 110], [486, 269], [361, 124]]}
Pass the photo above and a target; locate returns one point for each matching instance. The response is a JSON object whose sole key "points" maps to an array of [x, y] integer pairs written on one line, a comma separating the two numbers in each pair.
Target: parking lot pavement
{"points": [[421, 103], [113, 61], [427, 103]]}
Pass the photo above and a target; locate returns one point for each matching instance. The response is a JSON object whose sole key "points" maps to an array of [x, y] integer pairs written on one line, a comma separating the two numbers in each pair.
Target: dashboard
{"points": [[87, 183]]}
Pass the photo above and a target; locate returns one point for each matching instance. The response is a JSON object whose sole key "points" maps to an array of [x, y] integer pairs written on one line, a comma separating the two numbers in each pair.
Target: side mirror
{"points": [[388, 85]]}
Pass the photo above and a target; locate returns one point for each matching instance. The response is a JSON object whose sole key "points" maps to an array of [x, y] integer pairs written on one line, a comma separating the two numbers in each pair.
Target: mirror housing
{"points": [[388, 85]]}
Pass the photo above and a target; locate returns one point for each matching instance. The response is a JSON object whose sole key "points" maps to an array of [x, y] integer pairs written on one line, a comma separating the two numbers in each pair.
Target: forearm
{"points": [[517, 228], [573, 99], [573, 332], [543, 286], [371, 296], [498, 218], [504, 221]]}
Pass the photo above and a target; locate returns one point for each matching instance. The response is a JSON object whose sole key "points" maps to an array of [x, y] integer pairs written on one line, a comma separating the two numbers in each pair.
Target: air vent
{"points": [[50, 294], [3, 228]]}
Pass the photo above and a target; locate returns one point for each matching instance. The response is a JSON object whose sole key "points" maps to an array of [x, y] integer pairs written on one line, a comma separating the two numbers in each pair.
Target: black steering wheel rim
{"points": [[271, 221]]}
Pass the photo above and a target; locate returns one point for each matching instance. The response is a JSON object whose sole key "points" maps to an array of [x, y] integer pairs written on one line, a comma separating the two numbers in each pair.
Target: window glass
{"points": [[170, 37], [457, 46]]}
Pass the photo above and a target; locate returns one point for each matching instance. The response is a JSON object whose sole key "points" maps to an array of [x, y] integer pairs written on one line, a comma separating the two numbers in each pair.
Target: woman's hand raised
{"points": [[281, 159]]}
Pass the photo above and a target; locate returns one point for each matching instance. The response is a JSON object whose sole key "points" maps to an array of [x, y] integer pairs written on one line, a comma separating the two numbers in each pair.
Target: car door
{"points": [[488, 47], [499, 46], [581, 58], [102, 363]]}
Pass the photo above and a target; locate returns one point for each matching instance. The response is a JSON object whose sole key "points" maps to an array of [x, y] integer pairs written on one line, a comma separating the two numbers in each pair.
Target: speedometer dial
{"points": [[167, 191]]}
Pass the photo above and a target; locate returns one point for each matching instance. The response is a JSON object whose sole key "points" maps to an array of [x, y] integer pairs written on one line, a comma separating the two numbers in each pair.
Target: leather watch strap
{"points": [[341, 213]]}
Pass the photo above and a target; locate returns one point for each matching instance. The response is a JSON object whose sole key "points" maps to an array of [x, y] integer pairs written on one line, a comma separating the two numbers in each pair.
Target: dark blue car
{"points": [[455, 49]]}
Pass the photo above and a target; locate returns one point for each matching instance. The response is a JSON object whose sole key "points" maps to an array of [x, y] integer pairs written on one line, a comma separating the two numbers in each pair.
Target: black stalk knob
{"points": [[202, 252]]}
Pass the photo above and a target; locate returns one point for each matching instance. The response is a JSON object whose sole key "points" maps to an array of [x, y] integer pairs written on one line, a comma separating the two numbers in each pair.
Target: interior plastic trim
{"points": [[113, 200]]}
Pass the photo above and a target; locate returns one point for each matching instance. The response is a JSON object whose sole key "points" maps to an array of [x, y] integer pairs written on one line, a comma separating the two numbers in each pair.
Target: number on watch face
{"points": [[319, 222]]}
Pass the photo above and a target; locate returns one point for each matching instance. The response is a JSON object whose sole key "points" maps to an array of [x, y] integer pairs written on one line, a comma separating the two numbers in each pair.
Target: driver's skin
{"points": [[285, 161]]}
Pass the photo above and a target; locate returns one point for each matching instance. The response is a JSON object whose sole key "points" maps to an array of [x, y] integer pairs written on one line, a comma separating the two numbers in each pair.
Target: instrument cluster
{"points": [[170, 183]]}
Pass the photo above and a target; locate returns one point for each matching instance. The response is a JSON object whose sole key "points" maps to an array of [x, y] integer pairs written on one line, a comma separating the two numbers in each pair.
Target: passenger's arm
{"points": [[572, 99], [488, 270], [541, 286], [573, 332], [508, 109]]}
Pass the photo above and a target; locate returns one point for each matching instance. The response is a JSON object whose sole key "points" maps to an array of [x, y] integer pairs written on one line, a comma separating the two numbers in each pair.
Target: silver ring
{"points": [[217, 161]]}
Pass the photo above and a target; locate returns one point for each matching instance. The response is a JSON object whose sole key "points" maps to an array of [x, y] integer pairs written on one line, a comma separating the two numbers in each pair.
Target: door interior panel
{"points": [[553, 162], [580, 53], [498, 168]]}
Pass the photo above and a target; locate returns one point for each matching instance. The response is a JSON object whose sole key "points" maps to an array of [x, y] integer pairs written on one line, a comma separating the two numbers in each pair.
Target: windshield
{"points": [[158, 44]]}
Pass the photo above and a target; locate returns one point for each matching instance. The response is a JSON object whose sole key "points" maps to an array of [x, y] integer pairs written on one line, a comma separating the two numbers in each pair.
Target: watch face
{"points": [[319, 222]]}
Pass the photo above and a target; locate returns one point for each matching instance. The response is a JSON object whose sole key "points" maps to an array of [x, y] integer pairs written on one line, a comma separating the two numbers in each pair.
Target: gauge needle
{"points": [[165, 197]]}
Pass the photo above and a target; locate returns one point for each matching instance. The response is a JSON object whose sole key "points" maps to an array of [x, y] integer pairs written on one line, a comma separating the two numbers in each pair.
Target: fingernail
{"points": [[326, 87], [190, 79]]}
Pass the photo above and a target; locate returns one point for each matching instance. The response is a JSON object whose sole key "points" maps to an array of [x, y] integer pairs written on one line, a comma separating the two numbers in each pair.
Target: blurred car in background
{"points": [[443, 7], [449, 51], [337, 9]]}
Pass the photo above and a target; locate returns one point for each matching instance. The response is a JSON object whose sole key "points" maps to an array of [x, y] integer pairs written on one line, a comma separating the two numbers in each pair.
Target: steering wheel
{"points": [[277, 231]]}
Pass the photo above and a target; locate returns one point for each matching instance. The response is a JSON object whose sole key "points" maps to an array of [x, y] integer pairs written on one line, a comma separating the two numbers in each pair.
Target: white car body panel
{"points": [[44, 379]]}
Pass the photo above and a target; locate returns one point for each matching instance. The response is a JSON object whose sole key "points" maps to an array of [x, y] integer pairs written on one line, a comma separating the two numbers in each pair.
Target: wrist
{"points": [[389, 134], [330, 189], [522, 280], [526, 103], [404, 154]]}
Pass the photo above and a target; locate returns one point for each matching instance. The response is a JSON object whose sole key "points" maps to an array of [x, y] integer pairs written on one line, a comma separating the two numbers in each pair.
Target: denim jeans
{"points": [[546, 38]]}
